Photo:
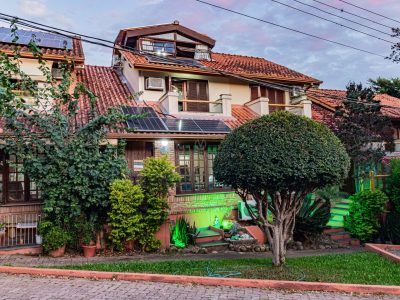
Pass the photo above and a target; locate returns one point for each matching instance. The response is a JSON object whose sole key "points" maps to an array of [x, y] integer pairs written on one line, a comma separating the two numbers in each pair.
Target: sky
{"points": [[333, 64]]}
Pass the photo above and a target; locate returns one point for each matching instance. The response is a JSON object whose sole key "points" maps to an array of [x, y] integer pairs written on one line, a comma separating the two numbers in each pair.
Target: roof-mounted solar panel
{"points": [[197, 126], [173, 61], [43, 39], [147, 119]]}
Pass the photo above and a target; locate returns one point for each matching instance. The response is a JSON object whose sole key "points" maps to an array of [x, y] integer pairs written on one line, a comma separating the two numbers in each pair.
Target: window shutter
{"points": [[254, 92], [197, 90]]}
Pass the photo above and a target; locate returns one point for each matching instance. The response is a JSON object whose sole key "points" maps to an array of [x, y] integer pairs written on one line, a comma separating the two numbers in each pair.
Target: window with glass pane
{"points": [[195, 163], [15, 186]]}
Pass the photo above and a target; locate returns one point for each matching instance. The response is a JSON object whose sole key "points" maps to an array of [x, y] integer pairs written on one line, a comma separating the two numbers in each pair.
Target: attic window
{"points": [[159, 47], [202, 52]]}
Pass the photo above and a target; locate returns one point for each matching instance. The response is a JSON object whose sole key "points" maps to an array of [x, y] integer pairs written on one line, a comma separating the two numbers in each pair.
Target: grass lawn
{"points": [[361, 267]]}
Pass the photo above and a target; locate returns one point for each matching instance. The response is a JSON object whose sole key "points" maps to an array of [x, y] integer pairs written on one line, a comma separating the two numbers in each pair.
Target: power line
{"points": [[349, 20], [290, 29], [353, 14], [370, 11], [134, 51], [331, 21]]}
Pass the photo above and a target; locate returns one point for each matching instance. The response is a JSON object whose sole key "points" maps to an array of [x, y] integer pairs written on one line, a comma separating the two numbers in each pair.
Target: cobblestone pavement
{"points": [[24, 287], [31, 261]]}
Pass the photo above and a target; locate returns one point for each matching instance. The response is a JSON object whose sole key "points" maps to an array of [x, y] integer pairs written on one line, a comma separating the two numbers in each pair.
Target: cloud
{"points": [[33, 8]]}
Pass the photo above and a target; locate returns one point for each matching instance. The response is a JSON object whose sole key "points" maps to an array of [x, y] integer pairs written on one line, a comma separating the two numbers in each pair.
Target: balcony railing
{"points": [[18, 230], [262, 107], [173, 105]]}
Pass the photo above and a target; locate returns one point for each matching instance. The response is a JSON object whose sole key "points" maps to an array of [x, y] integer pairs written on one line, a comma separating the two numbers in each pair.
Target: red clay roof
{"points": [[76, 53], [107, 86], [330, 99], [247, 66]]}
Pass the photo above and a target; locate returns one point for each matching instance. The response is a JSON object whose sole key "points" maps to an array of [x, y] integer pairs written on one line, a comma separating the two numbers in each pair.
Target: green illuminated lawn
{"points": [[362, 267]]}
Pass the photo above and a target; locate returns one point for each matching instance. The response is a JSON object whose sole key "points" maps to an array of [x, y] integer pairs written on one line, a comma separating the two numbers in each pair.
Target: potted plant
{"points": [[87, 236], [54, 238]]}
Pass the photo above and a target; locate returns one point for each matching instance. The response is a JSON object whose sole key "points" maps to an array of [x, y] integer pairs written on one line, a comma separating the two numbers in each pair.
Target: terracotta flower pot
{"points": [[129, 245], [89, 251], [58, 252]]}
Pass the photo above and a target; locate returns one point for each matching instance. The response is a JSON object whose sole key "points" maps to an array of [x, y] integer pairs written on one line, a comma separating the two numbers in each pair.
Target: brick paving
{"points": [[24, 287], [32, 261]]}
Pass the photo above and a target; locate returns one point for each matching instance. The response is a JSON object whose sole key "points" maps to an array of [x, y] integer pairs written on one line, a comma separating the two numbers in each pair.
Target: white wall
{"points": [[31, 68]]}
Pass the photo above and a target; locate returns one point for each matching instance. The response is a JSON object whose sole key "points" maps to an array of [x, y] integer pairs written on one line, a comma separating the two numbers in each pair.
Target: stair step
{"points": [[344, 206], [348, 242], [335, 224], [334, 230], [207, 233], [339, 211], [337, 237], [347, 201], [212, 244], [336, 218]]}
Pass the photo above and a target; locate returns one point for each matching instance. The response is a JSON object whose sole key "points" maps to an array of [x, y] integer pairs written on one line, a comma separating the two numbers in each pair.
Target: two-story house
{"points": [[20, 204], [191, 97]]}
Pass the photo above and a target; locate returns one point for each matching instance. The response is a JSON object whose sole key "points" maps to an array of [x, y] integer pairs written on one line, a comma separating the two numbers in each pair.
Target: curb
{"points": [[382, 250], [234, 282]]}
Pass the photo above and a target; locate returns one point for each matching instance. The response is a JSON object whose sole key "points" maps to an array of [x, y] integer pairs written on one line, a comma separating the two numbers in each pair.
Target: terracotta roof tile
{"points": [[105, 83], [76, 53], [333, 98], [247, 66]]}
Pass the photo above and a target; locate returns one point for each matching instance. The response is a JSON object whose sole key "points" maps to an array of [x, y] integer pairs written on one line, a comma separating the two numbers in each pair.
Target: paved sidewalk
{"points": [[17, 287], [32, 261]]}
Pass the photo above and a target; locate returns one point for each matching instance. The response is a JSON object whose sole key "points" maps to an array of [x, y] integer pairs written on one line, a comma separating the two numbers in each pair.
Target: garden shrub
{"points": [[364, 213], [312, 218], [156, 178], [53, 236], [393, 183], [125, 217]]}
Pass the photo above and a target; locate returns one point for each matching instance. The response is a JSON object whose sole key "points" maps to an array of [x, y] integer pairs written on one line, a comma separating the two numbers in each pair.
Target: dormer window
{"points": [[158, 47], [202, 52]]}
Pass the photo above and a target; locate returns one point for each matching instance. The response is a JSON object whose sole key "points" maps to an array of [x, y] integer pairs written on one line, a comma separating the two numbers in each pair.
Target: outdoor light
{"points": [[164, 143], [164, 147]]}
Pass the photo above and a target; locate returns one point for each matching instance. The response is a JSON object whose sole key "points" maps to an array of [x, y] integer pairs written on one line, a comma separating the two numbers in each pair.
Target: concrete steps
{"points": [[342, 237]]}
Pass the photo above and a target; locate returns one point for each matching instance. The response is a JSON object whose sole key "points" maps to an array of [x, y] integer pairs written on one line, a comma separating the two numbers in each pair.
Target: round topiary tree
{"points": [[278, 159]]}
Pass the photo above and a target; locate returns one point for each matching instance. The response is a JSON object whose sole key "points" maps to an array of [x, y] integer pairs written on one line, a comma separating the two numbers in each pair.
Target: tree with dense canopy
{"points": [[390, 87], [362, 127], [277, 160]]}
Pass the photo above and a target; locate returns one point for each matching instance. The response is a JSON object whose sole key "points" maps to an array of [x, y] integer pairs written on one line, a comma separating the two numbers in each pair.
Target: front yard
{"points": [[358, 268]]}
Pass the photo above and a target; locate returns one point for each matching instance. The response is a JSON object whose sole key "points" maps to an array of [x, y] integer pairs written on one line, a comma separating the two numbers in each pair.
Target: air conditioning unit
{"points": [[154, 83]]}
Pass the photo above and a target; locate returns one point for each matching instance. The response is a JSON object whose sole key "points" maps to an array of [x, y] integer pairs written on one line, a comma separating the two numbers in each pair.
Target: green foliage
{"points": [[361, 127], [156, 178], [53, 236], [61, 142], [393, 183], [125, 217], [83, 232], [392, 226], [281, 152], [183, 234], [364, 213], [312, 218], [386, 86]]}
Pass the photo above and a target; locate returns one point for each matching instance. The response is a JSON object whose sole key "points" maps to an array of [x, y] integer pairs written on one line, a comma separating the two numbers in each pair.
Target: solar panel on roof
{"points": [[173, 61], [198, 126], [148, 120], [43, 39]]}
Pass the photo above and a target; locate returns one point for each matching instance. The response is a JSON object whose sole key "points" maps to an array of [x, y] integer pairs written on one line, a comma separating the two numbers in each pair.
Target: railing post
{"points": [[307, 112], [226, 104], [170, 103]]}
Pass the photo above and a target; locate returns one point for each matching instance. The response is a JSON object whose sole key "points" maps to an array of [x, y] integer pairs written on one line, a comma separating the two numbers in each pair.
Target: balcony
{"points": [[172, 104], [299, 106]]}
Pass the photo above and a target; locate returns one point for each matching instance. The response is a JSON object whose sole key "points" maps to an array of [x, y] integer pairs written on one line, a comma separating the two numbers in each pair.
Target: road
{"points": [[27, 287]]}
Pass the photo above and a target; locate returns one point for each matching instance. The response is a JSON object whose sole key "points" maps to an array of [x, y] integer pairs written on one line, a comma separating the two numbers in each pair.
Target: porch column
{"points": [[307, 108], [170, 103], [264, 106], [226, 104]]}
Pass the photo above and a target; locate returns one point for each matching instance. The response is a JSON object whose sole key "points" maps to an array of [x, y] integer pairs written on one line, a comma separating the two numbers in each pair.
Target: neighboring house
{"points": [[324, 104], [20, 204], [191, 97]]}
